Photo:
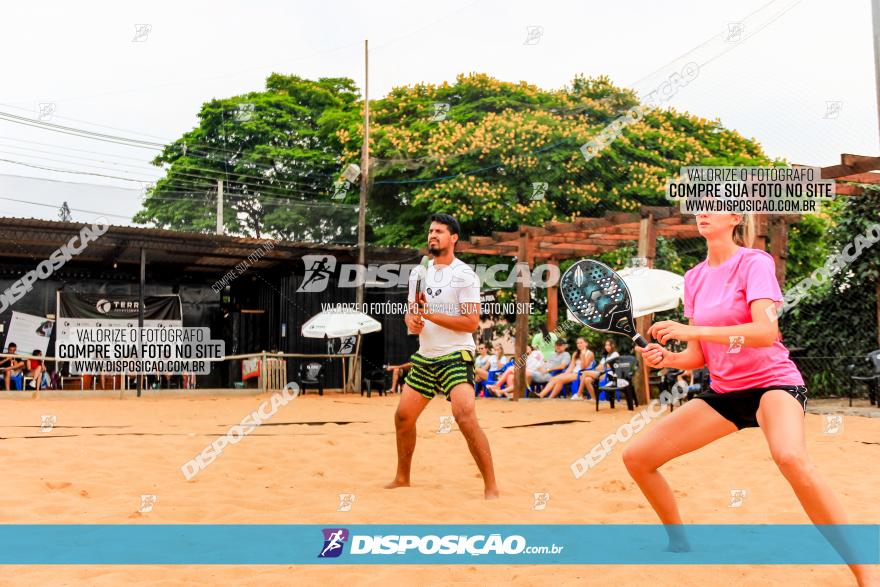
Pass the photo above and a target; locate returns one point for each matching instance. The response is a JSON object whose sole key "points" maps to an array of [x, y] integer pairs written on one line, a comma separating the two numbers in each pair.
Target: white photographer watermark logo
{"points": [[243, 266], [541, 500], [533, 34], [441, 110], [626, 431], [319, 269], [346, 501], [247, 425], [56, 260], [833, 424], [141, 33], [737, 497], [735, 32], [539, 190], [446, 423], [832, 109], [665, 91], [244, 112], [45, 110], [47, 422], [736, 344], [147, 503]]}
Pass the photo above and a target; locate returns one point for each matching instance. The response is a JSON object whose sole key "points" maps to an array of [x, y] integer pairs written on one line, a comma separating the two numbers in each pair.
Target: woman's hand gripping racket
{"points": [[599, 299]]}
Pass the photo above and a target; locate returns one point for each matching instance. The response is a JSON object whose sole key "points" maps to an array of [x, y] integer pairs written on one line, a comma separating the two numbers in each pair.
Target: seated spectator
{"points": [[11, 366], [581, 360], [588, 378], [481, 362], [397, 372], [558, 361], [495, 361], [534, 360], [36, 368]]}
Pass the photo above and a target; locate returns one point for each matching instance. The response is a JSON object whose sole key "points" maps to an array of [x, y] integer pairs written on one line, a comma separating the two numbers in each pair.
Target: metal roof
{"points": [[35, 240]]}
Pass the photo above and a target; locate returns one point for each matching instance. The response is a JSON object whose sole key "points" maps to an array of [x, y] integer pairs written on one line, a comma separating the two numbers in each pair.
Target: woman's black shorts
{"points": [[741, 407]]}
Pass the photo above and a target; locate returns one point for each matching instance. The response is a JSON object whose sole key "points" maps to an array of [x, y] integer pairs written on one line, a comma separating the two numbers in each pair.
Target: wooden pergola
{"points": [[585, 237]]}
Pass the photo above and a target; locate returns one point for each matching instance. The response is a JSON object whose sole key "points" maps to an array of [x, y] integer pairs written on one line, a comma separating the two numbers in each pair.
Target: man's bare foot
{"points": [[397, 483], [492, 493]]}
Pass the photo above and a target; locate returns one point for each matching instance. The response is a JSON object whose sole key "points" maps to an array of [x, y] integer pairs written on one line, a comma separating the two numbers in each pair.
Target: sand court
{"points": [[100, 457]]}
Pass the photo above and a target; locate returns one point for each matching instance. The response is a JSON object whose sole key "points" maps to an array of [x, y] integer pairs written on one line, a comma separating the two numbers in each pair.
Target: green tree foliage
{"points": [[480, 159], [278, 152], [839, 318]]}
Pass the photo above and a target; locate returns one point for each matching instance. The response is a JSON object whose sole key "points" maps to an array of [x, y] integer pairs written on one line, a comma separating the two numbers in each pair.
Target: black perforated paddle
{"points": [[599, 299]]}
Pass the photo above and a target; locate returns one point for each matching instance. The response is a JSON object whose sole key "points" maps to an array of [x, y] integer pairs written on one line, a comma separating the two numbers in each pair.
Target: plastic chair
{"points": [[310, 375], [493, 376], [623, 367], [572, 388], [17, 381], [871, 380], [377, 376]]}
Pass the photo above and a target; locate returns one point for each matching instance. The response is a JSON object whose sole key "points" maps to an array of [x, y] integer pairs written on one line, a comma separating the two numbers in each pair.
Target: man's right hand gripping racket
{"points": [[599, 299]]}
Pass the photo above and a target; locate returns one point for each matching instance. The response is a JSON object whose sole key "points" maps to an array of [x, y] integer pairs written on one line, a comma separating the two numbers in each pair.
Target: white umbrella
{"points": [[340, 322], [652, 290]]}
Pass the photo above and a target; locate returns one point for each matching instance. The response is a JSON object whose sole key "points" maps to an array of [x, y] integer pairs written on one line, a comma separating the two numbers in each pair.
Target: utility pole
{"points": [[362, 209], [220, 206]]}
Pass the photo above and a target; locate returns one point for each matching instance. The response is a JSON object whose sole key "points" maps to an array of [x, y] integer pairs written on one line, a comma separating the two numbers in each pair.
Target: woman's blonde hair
{"points": [[739, 231]]}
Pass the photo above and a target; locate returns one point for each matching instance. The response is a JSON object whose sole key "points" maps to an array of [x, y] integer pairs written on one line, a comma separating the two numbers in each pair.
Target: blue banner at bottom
{"points": [[564, 544]]}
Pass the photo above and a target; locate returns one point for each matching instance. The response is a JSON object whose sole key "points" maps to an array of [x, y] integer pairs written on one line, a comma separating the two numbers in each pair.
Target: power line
{"points": [[58, 206], [74, 172]]}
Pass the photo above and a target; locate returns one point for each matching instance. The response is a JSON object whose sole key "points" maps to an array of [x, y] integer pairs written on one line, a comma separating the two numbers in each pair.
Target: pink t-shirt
{"points": [[720, 296]]}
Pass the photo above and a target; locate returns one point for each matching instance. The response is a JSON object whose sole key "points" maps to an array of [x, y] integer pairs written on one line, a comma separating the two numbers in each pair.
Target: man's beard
{"points": [[435, 250]]}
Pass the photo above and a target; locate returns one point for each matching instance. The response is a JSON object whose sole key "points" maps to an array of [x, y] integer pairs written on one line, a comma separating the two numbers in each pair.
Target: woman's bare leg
{"points": [[782, 421], [685, 430], [564, 379]]}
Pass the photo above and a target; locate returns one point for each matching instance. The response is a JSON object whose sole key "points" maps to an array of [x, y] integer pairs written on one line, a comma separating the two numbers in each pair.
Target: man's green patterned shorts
{"points": [[432, 375]]}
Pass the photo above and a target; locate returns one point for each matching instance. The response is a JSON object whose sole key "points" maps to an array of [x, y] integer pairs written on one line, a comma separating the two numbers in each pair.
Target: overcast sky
{"points": [[771, 77]]}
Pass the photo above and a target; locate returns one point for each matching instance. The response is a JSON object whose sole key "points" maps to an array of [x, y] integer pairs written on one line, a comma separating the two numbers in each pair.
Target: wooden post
{"points": [[552, 301], [524, 257], [779, 246], [756, 232], [648, 250], [356, 368]]}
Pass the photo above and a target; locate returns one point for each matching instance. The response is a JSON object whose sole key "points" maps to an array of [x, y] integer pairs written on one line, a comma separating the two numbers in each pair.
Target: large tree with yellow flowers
{"points": [[498, 154]]}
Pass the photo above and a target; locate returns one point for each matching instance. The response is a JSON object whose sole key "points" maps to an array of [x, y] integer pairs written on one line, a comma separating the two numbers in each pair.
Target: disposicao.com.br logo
{"points": [[430, 544]]}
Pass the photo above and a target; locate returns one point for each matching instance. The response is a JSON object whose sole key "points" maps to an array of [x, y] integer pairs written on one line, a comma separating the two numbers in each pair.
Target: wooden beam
{"points": [[552, 302], [848, 189], [861, 178], [659, 212], [850, 165]]}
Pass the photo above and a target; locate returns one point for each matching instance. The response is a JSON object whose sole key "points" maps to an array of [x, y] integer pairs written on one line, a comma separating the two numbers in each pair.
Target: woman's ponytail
{"points": [[739, 232]]}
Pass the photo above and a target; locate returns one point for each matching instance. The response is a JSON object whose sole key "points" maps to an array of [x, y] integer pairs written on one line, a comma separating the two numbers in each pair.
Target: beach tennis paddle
{"points": [[420, 280], [599, 299], [421, 274]]}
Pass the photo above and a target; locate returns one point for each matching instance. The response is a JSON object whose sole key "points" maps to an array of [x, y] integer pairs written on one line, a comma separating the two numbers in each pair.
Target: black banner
{"points": [[117, 307]]}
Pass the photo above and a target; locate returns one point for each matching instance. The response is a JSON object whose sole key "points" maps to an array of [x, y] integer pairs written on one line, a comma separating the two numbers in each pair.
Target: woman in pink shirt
{"points": [[730, 303]]}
